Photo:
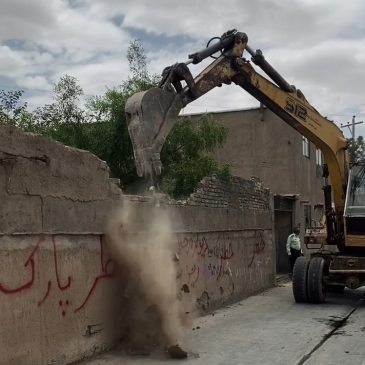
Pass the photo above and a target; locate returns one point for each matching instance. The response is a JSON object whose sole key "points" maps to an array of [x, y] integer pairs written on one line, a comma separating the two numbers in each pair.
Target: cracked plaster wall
{"points": [[49, 188], [59, 299]]}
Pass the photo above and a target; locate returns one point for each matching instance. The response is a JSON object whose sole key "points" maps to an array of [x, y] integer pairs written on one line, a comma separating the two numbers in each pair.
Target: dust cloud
{"points": [[143, 246]]}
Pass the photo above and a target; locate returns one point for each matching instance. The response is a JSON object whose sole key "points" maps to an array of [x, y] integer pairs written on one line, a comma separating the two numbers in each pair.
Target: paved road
{"points": [[271, 329]]}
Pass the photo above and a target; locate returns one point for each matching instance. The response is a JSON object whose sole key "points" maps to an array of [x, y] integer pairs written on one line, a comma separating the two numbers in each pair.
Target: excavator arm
{"points": [[152, 114]]}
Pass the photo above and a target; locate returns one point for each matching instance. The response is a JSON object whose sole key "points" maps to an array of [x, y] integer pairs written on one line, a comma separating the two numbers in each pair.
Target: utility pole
{"points": [[351, 126]]}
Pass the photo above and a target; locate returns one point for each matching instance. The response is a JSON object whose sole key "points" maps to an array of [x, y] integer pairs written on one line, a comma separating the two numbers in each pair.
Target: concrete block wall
{"points": [[229, 255], [60, 300], [219, 266], [224, 234], [235, 193]]}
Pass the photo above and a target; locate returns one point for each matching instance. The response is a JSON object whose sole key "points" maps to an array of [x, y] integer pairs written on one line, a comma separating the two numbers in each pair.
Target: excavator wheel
{"points": [[300, 271], [315, 285]]}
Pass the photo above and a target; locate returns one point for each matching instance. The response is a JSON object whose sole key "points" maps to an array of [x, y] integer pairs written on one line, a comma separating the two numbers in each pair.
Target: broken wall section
{"points": [[59, 299], [47, 187]]}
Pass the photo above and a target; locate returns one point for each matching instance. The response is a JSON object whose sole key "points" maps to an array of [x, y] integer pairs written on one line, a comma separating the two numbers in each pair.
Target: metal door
{"points": [[283, 228]]}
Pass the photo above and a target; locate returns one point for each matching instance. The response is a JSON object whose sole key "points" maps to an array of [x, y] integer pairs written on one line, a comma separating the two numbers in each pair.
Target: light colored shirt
{"points": [[293, 242]]}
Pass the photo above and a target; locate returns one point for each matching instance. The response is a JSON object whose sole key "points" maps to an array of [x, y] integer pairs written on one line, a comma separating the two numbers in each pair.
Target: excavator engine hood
{"points": [[150, 116]]}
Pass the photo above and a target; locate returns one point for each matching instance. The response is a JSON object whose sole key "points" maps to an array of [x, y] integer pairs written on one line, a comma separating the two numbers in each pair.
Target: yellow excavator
{"points": [[152, 114]]}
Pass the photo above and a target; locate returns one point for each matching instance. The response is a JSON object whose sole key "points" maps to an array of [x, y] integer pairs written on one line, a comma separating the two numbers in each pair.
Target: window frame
{"points": [[305, 147]]}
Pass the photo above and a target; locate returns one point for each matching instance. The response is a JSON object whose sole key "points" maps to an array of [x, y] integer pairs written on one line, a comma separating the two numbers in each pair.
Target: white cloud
{"points": [[35, 101], [35, 83], [96, 77], [26, 20], [227, 97], [318, 45], [11, 61], [268, 22], [54, 25]]}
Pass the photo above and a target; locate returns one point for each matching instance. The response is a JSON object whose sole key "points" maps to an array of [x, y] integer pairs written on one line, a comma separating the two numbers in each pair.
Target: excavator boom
{"points": [[152, 114]]}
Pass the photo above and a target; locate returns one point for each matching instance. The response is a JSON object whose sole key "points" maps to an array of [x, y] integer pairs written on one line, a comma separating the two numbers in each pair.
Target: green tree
{"points": [[64, 119], [187, 155], [11, 107], [356, 149], [109, 135], [108, 117], [140, 78], [66, 106], [13, 111]]}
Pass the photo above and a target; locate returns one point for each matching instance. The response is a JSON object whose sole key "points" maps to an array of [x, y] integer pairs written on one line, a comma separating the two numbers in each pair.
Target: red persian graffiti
{"points": [[104, 273], [28, 263], [222, 250], [60, 286], [49, 284], [193, 246], [258, 249], [200, 247], [193, 275]]}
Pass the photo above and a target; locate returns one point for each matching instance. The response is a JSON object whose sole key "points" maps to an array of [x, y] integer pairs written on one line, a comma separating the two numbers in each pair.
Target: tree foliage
{"points": [[64, 119], [109, 134], [186, 154], [356, 149], [140, 78], [11, 107], [107, 113]]}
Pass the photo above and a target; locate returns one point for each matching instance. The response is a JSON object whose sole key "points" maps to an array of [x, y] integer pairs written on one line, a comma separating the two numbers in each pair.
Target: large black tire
{"points": [[316, 288], [300, 271]]}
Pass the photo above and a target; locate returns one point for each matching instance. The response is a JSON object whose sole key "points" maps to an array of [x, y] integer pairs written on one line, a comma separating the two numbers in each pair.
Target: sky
{"points": [[317, 45]]}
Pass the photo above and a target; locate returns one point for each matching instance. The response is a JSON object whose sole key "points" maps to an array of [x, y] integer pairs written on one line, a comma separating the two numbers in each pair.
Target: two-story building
{"points": [[261, 144]]}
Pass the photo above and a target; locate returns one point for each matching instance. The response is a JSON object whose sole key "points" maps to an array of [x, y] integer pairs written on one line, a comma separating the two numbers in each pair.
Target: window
{"points": [[318, 215], [319, 160], [356, 196], [307, 216], [305, 147]]}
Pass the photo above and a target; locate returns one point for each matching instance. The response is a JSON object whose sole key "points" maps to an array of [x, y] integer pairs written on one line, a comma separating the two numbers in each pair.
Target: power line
{"points": [[351, 126]]}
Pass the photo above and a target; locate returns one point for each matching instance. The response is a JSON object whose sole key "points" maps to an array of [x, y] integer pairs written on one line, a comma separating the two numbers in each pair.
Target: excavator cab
{"points": [[354, 214]]}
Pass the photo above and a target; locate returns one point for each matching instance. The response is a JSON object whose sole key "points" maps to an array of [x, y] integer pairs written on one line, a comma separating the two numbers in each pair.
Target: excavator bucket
{"points": [[151, 115]]}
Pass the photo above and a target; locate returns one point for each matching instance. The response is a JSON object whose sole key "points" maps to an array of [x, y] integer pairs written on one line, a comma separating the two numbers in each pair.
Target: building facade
{"points": [[261, 144]]}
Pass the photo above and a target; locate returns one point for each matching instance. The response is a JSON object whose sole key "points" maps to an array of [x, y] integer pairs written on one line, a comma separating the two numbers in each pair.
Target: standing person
{"points": [[293, 247]]}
